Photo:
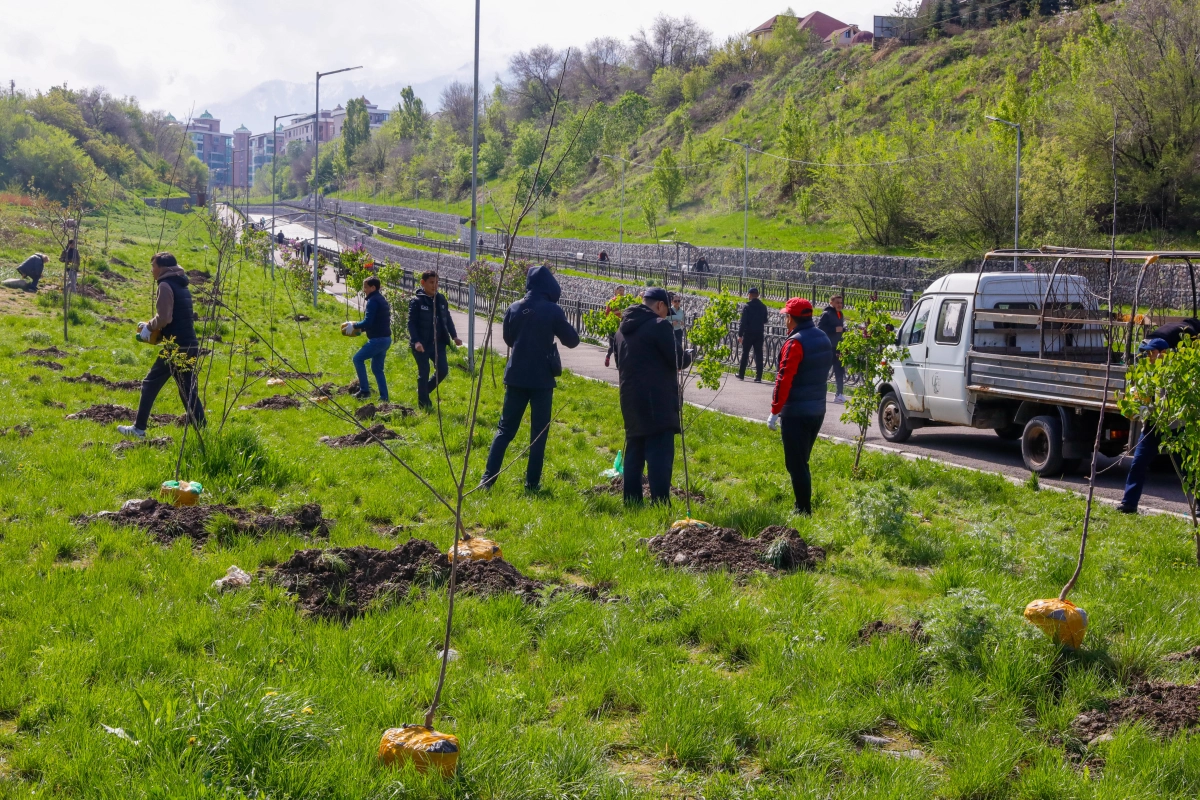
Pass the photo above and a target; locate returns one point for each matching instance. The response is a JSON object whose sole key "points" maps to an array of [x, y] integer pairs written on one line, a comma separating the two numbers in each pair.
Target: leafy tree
{"points": [[1165, 394], [797, 141], [356, 130], [604, 322], [709, 333], [650, 202], [868, 349], [409, 120], [667, 177], [873, 194]]}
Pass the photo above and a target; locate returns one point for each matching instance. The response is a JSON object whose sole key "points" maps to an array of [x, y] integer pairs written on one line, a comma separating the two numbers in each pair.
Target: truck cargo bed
{"points": [[1071, 383]]}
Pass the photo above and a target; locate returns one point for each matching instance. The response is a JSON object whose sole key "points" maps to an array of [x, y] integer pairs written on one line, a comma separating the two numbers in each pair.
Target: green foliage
{"points": [[868, 349], [235, 459], [666, 88], [960, 626], [604, 323], [667, 177], [874, 194], [356, 130], [651, 200], [797, 141], [881, 510], [355, 261], [709, 334]]}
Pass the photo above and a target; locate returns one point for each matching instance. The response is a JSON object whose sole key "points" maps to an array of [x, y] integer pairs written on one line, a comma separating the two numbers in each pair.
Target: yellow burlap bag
{"points": [[1063, 621], [424, 747], [181, 493], [476, 549]]}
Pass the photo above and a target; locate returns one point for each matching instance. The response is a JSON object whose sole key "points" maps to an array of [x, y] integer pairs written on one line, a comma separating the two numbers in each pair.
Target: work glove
{"points": [[143, 331], [773, 422], [348, 329]]}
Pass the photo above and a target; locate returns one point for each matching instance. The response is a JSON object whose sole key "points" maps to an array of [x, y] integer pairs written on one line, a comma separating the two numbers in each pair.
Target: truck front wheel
{"points": [[893, 422], [1042, 445]]}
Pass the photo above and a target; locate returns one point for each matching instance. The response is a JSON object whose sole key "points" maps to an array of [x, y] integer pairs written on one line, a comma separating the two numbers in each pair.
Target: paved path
{"points": [[963, 447]]}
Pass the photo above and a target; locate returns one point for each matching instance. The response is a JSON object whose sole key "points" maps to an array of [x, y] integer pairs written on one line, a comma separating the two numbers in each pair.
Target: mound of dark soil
{"points": [[118, 262], [45, 352], [92, 291], [166, 523], [284, 373], [54, 365], [342, 581], [376, 433], [276, 402], [22, 430], [113, 275], [88, 377], [370, 410], [158, 442], [1192, 654], [1167, 708], [108, 413], [199, 276], [300, 318], [914, 631], [707, 549], [616, 488], [117, 320]]}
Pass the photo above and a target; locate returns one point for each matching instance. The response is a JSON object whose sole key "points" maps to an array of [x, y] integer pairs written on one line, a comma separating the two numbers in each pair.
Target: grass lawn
{"points": [[686, 685]]}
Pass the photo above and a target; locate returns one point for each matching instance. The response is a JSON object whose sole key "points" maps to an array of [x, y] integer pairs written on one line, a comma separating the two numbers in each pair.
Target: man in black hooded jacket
{"points": [[530, 326], [430, 330], [648, 361]]}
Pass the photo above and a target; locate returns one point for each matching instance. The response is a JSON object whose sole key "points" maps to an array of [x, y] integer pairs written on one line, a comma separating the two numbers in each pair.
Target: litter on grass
{"points": [[705, 549], [423, 747], [235, 578], [167, 523], [1061, 620]]}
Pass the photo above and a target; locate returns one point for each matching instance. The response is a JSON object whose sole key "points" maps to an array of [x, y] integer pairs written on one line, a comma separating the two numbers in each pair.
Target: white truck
{"points": [[1012, 352]]}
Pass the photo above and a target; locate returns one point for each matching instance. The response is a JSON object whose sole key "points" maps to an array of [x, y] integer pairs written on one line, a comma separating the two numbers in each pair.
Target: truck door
{"points": [[944, 369], [910, 373]]}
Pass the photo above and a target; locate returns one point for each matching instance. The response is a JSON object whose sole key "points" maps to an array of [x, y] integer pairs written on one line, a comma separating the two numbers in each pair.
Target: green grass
{"points": [[697, 685]]}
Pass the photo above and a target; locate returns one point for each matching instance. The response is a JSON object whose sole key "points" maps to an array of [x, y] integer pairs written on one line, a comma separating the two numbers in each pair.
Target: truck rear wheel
{"points": [[1042, 445], [893, 422]]}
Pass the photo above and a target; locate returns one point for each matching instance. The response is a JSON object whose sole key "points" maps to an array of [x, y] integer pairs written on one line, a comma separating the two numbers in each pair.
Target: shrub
{"points": [[235, 458], [881, 510], [960, 624]]}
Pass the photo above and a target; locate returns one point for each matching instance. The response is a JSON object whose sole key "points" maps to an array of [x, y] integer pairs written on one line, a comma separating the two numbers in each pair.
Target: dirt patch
{"points": [[92, 291], [616, 488], [108, 413], [158, 443], [1187, 655], [300, 318], [99, 380], [776, 548], [914, 631], [1167, 708], [117, 320], [276, 402], [113, 275], [370, 410], [375, 433], [343, 581], [45, 352], [167, 523], [199, 276], [118, 262], [41, 362], [22, 430], [283, 373]]}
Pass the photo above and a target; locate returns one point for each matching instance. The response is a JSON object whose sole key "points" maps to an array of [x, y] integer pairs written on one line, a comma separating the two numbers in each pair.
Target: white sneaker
{"points": [[839, 398], [130, 432]]}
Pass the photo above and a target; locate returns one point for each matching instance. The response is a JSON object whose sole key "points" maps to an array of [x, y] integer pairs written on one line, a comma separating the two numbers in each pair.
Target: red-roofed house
{"points": [[819, 24], [848, 37]]}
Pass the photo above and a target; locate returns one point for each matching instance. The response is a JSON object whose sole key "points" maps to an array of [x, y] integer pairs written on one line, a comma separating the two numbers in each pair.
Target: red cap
{"points": [[798, 307]]}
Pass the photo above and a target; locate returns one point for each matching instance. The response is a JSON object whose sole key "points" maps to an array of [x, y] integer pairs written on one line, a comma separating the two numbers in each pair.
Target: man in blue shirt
{"points": [[377, 325]]}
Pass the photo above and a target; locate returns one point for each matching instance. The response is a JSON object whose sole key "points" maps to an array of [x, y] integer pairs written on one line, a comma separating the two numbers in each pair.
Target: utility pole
{"points": [[316, 172], [474, 197], [621, 235], [274, 177], [746, 214], [1017, 216]]}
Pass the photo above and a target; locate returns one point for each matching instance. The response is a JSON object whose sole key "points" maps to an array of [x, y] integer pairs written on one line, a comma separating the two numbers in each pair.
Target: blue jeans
{"points": [[516, 399], [376, 351], [1143, 456]]}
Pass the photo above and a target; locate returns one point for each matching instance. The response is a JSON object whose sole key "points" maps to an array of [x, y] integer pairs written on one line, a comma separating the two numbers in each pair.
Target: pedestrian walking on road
{"points": [[649, 361], [172, 322], [752, 330], [798, 404], [377, 325], [1146, 449], [430, 330], [70, 261], [612, 307], [834, 325], [677, 319], [530, 326]]}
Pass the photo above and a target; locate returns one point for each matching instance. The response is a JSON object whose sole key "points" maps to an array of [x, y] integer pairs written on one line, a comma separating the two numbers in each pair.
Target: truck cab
{"points": [[998, 350]]}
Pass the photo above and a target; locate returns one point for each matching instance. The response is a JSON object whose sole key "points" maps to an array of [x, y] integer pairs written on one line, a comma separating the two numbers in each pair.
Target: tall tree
{"points": [[668, 177], [356, 130]]}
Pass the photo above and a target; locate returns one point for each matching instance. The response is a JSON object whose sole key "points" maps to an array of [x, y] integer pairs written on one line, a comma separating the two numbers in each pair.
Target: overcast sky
{"points": [[174, 55]]}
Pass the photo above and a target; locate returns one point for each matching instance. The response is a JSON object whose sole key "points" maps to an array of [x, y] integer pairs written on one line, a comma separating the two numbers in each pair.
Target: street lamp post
{"points": [[316, 285], [274, 176], [621, 235], [746, 214], [1017, 215], [474, 194]]}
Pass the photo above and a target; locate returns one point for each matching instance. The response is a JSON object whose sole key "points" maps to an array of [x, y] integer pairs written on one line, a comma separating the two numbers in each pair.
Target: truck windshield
{"points": [[916, 334]]}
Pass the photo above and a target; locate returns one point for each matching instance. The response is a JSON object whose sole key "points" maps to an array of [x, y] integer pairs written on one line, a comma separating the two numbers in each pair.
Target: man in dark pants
{"points": [[833, 324], [751, 331], [530, 325], [648, 362], [171, 322], [429, 331], [1147, 447], [377, 325], [798, 404]]}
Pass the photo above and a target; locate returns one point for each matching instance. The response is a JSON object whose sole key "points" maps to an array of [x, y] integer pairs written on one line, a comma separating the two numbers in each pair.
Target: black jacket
{"points": [[181, 327], [530, 325], [649, 360], [377, 321], [754, 320], [420, 320], [829, 323], [1173, 332]]}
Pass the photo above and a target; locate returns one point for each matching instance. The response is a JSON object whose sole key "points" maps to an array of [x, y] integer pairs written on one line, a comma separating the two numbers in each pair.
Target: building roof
{"points": [[766, 27], [206, 115], [821, 24], [171, 118], [862, 37], [837, 34], [242, 129]]}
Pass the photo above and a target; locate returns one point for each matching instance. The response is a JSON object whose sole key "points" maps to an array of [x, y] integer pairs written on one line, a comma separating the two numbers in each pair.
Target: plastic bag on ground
{"points": [[424, 747], [688, 522], [182, 493], [476, 549], [618, 467], [235, 578], [1061, 620]]}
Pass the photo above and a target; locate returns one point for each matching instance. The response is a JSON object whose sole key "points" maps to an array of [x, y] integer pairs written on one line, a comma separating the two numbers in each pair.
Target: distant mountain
{"points": [[255, 108]]}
